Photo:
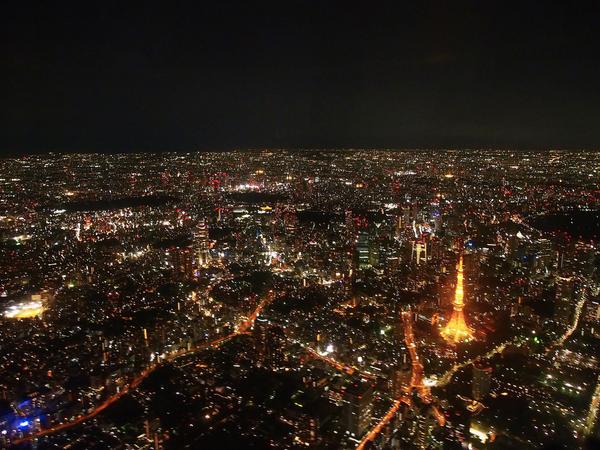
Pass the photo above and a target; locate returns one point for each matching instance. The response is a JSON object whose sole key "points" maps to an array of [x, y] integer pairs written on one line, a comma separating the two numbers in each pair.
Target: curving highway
{"points": [[241, 329]]}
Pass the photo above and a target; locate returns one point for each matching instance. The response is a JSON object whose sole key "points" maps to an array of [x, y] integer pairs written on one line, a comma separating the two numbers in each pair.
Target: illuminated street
{"points": [[276, 299], [301, 225], [145, 373]]}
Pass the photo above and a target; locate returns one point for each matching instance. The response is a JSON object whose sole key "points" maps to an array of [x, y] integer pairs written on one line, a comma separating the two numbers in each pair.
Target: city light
{"points": [[24, 310], [305, 300]]}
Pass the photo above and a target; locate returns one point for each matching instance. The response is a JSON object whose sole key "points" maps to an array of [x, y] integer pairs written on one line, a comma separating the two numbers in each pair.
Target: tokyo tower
{"points": [[456, 330]]}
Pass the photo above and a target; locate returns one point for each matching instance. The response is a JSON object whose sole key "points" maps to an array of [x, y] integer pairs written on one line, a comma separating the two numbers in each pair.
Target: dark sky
{"points": [[103, 76]]}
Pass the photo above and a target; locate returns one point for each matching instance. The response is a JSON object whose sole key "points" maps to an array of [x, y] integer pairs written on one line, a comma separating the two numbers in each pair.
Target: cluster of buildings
{"points": [[286, 299]]}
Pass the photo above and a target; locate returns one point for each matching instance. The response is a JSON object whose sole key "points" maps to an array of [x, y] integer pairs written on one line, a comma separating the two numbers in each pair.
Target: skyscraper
{"points": [[269, 343], [419, 251], [563, 304], [363, 250], [202, 251], [358, 398], [401, 380], [482, 378], [181, 259]]}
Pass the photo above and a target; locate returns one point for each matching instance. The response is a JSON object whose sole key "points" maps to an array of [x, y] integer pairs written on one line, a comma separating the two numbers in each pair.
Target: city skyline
{"points": [[347, 300], [302, 225]]}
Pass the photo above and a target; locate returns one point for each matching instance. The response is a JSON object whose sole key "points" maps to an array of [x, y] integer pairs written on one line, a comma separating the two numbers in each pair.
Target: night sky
{"points": [[219, 75]]}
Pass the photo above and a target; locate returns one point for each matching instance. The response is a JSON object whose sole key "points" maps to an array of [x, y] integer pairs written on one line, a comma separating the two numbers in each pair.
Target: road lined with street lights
{"points": [[416, 382], [133, 384]]}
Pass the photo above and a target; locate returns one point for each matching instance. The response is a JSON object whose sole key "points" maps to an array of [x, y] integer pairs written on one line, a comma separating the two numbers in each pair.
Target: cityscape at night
{"points": [[300, 299], [236, 225]]}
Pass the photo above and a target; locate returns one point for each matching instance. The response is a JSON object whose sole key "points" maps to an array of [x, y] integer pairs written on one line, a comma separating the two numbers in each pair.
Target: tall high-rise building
{"points": [[202, 249], [415, 213], [425, 425], [398, 225], [405, 215], [419, 423], [290, 220], [456, 330], [363, 250], [349, 221], [269, 341], [181, 259], [374, 249], [437, 222], [401, 380], [419, 251], [564, 301], [358, 399], [482, 379]]}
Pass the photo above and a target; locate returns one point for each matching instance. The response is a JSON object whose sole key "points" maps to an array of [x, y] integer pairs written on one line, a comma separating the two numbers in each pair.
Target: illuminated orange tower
{"points": [[456, 330]]}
